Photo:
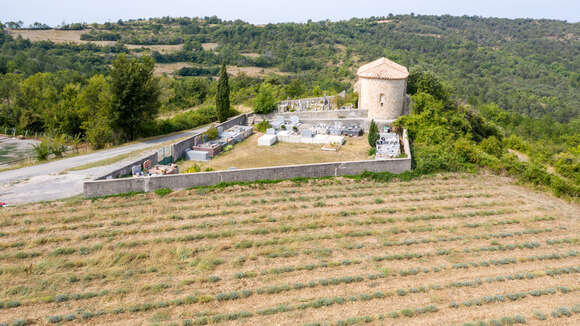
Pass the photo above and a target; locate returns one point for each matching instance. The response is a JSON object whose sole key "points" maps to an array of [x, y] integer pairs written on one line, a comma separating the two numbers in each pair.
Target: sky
{"points": [[55, 12]]}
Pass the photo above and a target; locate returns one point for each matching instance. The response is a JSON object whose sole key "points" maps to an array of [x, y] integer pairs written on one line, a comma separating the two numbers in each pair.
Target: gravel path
{"points": [[48, 182]]}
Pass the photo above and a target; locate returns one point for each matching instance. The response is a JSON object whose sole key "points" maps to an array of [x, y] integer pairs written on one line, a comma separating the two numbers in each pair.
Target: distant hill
{"points": [[524, 65]]}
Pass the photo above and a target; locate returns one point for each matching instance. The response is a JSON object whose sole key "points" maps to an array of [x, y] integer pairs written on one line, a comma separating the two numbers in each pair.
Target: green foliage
{"points": [[568, 165], [492, 146], [212, 133], [445, 137], [163, 192], [193, 169], [186, 120], [265, 101], [421, 81], [41, 151], [515, 142], [135, 94], [95, 102], [373, 135], [223, 95], [262, 126], [56, 146]]}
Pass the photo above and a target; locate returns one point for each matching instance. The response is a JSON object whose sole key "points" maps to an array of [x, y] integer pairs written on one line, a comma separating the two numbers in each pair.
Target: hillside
{"points": [[481, 88], [439, 250], [524, 65]]}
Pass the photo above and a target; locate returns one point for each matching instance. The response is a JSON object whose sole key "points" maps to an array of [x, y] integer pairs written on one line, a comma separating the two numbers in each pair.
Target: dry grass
{"points": [[248, 154], [250, 55], [148, 259], [159, 48], [57, 36], [209, 46], [169, 68], [255, 71]]}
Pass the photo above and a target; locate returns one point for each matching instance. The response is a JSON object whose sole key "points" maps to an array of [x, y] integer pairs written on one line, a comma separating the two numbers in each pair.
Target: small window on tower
{"points": [[381, 99]]}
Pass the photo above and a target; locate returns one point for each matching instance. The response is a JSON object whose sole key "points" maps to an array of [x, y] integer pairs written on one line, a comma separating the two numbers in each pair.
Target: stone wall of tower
{"points": [[383, 98]]}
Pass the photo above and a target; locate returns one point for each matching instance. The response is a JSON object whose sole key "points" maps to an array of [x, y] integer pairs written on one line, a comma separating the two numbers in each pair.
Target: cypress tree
{"points": [[373, 134], [222, 100]]}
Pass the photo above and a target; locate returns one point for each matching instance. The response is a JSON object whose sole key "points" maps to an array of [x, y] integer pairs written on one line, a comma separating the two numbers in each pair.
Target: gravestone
{"points": [[147, 164], [295, 120], [136, 169]]}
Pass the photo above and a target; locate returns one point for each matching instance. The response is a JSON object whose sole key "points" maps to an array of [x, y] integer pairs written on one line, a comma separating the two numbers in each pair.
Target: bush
{"points": [[212, 133], [54, 319], [262, 126], [492, 146], [265, 101], [193, 169], [41, 151], [163, 192]]}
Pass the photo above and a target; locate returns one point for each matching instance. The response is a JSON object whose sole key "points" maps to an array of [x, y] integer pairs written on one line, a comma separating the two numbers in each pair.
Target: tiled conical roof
{"points": [[383, 68]]}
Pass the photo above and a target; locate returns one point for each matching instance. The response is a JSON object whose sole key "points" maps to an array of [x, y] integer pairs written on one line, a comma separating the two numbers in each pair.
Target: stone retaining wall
{"points": [[127, 169], [179, 149], [181, 181]]}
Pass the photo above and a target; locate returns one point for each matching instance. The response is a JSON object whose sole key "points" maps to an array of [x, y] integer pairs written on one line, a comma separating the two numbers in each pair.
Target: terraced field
{"points": [[443, 250]]}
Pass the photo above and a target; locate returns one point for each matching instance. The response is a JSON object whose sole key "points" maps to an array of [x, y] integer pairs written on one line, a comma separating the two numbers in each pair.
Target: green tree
{"points": [[265, 101], [427, 82], [95, 102], [492, 146], [295, 89], [373, 135], [68, 111], [135, 94], [222, 100]]}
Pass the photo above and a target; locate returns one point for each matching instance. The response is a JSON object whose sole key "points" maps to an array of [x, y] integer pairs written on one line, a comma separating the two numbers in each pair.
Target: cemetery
{"points": [[310, 137]]}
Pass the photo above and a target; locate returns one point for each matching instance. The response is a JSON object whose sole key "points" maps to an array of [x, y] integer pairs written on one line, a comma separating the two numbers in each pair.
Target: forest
{"points": [[522, 76]]}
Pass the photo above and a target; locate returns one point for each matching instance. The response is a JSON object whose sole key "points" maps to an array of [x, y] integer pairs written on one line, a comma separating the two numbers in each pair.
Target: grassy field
{"points": [[248, 154], [451, 249]]}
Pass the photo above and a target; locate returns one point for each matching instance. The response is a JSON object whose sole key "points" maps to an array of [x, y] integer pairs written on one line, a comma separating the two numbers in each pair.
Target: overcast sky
{"points": [[54, 12]]}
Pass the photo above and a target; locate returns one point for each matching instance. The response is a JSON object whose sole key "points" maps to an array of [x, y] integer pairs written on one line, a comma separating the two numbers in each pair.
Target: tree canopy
{"points": [[135, 94]]}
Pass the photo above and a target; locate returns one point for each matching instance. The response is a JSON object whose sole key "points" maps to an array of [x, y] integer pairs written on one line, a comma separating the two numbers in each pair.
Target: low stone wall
{"points": [[322, 115], [182, 181], [179, 149], [127, 169]]}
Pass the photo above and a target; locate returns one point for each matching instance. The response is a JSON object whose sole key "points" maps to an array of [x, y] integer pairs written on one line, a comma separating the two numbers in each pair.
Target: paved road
{"points": [[48, 182]]}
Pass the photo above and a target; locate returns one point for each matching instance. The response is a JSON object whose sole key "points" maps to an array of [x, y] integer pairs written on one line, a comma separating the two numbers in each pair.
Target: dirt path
{"points": [[48, 182]]}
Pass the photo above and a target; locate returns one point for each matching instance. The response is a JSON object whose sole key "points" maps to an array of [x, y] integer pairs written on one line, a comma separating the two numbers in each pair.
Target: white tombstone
{"points": [[295, 120]]}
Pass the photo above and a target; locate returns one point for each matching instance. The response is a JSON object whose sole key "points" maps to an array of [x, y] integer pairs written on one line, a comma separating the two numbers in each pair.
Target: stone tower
{"points": [[382, 88]]}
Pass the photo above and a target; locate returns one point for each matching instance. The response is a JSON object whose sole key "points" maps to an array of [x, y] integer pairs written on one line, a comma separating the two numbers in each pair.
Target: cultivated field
{"points": [[55, 35], [443, 250]]}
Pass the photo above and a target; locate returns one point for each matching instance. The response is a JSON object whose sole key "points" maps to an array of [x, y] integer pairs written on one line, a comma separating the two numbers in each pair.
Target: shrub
{"points": [[41, 151], [163, 192], [262, 126], [492, 146], [212, 133], [407, 313], [54, 319], [539, 315]]}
